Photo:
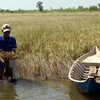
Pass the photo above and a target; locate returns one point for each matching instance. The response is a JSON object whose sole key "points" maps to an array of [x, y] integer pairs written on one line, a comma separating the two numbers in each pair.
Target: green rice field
{"points": [[53, 41]]}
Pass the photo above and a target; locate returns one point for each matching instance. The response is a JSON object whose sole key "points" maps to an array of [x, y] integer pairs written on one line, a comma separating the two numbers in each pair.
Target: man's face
{"points": [[6, 34]]}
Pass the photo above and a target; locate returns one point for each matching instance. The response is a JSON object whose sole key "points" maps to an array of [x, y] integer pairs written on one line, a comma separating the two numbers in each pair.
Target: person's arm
{"points": [[0, 44], [14, 45], [14, 50], [1, 59], [1, 51]]}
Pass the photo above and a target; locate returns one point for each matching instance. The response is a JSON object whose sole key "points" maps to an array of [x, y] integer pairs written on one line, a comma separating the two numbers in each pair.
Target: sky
{"points": [[47, 4]]}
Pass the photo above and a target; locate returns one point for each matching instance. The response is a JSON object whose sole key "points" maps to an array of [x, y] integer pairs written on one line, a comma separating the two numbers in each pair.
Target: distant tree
{"points": [[99, 6], [93, 8], [2, 10], [61, 8], [12, 11], [51, 8], [39, 6], [7, 10], [80, 7], [19, 9]]}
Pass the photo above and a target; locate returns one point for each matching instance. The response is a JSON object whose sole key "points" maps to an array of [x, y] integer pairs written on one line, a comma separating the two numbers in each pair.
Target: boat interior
{"points": [[82, 71]]}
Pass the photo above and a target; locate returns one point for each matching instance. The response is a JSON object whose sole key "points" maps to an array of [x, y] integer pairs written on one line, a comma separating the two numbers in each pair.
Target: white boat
{"points": [[85, 71]]}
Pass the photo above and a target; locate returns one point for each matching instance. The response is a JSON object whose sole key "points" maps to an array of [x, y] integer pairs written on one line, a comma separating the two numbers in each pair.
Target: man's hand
{"points": [[1, 59], [1, 55]]}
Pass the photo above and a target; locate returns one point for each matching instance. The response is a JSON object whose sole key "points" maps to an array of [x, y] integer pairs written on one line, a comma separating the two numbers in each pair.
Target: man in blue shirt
{"points": [[7, 44]]}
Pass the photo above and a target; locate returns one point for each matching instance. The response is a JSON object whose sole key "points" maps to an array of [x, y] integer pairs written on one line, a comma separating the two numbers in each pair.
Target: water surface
{"points": [[43, 90]]}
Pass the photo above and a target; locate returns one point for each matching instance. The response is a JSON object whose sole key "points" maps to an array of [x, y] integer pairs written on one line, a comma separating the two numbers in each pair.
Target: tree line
{"points": [[40, 7]]}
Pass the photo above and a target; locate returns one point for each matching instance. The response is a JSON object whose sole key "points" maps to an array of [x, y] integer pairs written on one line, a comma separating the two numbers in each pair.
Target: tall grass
{"points": [[53, 40]]}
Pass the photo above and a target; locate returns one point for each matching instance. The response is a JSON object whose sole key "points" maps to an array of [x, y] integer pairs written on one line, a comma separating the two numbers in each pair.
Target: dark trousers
{"points": [[1, 73], [1, 70], [8, 71]]}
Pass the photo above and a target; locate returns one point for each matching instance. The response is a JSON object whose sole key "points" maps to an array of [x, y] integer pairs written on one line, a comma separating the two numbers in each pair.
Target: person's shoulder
{"points": [[1, 37], [12, 37]]}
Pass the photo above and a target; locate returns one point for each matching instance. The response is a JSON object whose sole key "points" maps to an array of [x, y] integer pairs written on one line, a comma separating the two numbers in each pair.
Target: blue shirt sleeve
{"points": [[0, 43], [14, 44]]}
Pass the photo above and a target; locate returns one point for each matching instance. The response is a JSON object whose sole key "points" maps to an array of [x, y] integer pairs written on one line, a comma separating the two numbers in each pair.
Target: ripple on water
{"points": [[41, 90]]}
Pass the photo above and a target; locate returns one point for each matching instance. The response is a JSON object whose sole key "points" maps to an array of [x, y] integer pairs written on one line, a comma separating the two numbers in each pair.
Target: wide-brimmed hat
{"points": [[6, 27]]}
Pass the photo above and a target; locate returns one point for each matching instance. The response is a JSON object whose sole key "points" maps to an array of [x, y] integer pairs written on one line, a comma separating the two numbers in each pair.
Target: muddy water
{"points": [[43, 90], [7, 91]]}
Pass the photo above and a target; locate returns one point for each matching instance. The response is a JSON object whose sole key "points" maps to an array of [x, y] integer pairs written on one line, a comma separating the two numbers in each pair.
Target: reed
{"points": [[52, 40]]}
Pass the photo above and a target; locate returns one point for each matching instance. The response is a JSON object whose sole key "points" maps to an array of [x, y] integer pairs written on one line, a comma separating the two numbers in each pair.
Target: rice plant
{"points": [[52, 40]]}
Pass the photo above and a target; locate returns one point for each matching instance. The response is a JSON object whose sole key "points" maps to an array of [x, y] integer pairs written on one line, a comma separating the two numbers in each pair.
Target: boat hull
{"points": [[85, 71], [90, 86]]}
